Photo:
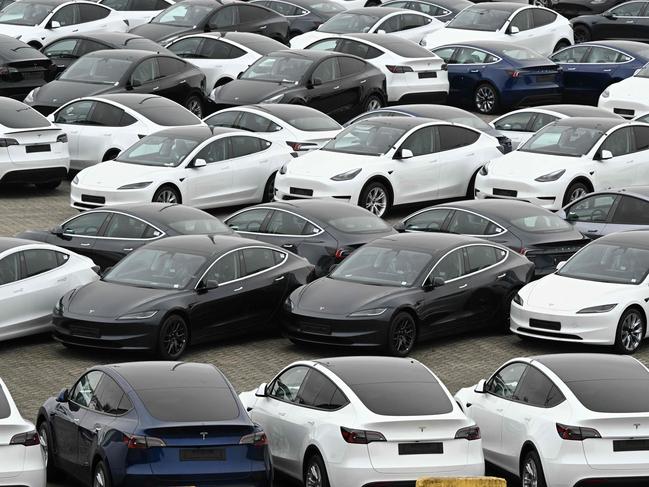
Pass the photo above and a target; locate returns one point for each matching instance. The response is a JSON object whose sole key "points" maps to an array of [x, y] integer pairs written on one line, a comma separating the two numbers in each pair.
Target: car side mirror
{"points": [[261, 390], [134, 83], [199, 163], [106, 271], [380, 31], [480, 387], [57, 230], [240, 75], [431, 284], [560, 265], [55, 24], [332, 268], [207, 285], [572, 216], [404, 154], [610, 16], [316, 82], [400, 227], [64, 396], [513, 30], [605, 155]]}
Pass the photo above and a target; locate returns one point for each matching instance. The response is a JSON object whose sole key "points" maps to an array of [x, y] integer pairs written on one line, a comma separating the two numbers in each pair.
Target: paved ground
{"points": [[36, 367]]}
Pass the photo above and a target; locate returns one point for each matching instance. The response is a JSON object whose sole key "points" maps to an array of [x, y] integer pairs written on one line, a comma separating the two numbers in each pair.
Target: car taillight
{"points": [[8, 142], [399, 69], [469, 433], [523, 251], [342, 252], [138, 442], [576, 433], [30, 438], [513, 73], [361, 437], [444, 67], [302, 145], [62, 138], [258, 438]]}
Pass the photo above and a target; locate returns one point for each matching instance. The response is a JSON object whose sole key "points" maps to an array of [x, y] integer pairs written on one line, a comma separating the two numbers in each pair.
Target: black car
{"points": [[574, 8], [124, 71], [303, 15], [528, 229], [442, 10], [181, 290], [22, 68], [194, 16], [401, 289], [67, 49], [438, 112], [109, 234], [629, 21], [336, 84], [322, 231]]}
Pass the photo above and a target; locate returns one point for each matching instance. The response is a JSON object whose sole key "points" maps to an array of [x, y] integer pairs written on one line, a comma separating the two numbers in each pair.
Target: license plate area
{"points": [[505, 192], [37, 148], [427, 74], [316, 328], [421, 448], [302, 191], [631, 445], [84, 331], [202, 455]]}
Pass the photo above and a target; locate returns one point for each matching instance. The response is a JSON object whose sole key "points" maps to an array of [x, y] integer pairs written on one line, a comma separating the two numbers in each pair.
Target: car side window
{"points": [[427, 221], [110, 398], [85, 225], [187, 48], [629, 9], [571, 55], [256, 123], [317, 391], [61, 48], [84, 391], [483, 256], [243, 146], [214, 49], [287, 385], [87, 46], [252, 13], [350, 66], [535, 389], [77, 113], [523, 20], [446, 53], [542, 17], [466, 223], [325, 45], [467, 55], [427, 8], [224, 119], [641, 138], [116, 4], [516, 122], [412, 21], [106, 115], [631, 211], [602, 55], [67, 15], [124, 226], [224, 18], [421, 142], [90, 13], [38, 261], [392, 24], [285, 223], [594, 208], [327, 71], [10, 269], [620, 142], [216, 151], [249, 220], [541, 120], [451, 137], [355, 48], [260, 259], [226, 269], [284, 8], [451, 266], [145, 72], [505, 381], [169, 66]]}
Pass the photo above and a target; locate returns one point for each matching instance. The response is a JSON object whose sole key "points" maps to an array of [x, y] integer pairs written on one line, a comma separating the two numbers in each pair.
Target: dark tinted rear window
{"points": [[613, 395], [168, 115], [304, 118], [18, 116], [5, 410], [359, 224], [407, 49], [404, 398], [190, 404]]}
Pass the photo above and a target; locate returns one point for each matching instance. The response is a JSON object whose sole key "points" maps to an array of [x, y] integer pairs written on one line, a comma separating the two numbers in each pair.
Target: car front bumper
{"points": [[546, 195], [288, 187], [89, 197], [623, 107]]}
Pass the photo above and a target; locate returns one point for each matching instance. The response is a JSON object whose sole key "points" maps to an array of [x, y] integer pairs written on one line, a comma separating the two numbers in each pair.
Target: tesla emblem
{"points": [[637, 425], [53, 99], [203, 435], [91, 311], [236, 98], [322, 308], [421, 428]]}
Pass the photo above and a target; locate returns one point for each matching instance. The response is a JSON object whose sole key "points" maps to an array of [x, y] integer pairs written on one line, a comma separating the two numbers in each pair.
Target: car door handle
{"points": [[84, 244], [225, 168], [501, 275], [280, 278], [238, 289], [310, 422], [527, 419], [471, 155], [499, 410], [17, 291], [474, 70], [63, 279], [608, 70], [572, 69], [76, 420], [363, 81], [127, 249], [462, 286], [336, 87], [594, 230], [156, 88], [281, 414], [263, 27]]}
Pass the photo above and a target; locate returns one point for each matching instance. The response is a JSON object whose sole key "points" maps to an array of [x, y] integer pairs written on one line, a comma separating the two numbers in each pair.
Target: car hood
{"points": [[341, 298], [630, 88], [102, 299], [59, 92], [113, 174], [452, 36], [323, 163], [160, 32], [18, 30], [556, 292], [526, 166], [245, 92]]}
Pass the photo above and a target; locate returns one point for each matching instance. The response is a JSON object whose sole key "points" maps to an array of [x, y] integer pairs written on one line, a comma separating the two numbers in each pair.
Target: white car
{"points": [[100, 127], [567, 159], [628, 97], [198, 166], [29, 291], [520, 125], [536, 28], [22, 459], [353, 421], [37, 23], [223, 56], [411, 72], [32, 149], [598, 296], [407, 24], [138, 12], [565, 420], [300, 127], [386, 161]]}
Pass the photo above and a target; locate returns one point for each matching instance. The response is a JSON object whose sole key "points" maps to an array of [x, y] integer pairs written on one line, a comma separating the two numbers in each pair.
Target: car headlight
{"points": [[369, 312], [553, 176], [346, 176], [30, 96], [215, 92], [76, 179], [140, 315], [484, 170], [282, 170], [605, 93], [602, 308], [518, 300], [273, 99], [141, 185]]}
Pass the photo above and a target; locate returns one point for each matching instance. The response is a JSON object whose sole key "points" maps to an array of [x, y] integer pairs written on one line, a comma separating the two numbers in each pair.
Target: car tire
{"points": [[269, 189], [101, 475], [402, 334], [53, 472], [630, 331], [49, 186], [560, 45], [486, 99], [532, 470], [173, 338], [315, 472], [375, 198], [372, 102], [582, 34], [166, 194], [194, 104], [576, 190]]}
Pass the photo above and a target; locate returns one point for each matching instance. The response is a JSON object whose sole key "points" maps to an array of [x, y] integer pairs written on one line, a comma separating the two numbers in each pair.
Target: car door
{"points": [[630, 213], [224, 19], [79, 234], [62, 52], [468, 67], [641, 135], [622, 169], [642, 22], [13, 299], [324, 89], [413, 26], [353, 75], [591, 215], [144, 77], [489, 282], [623, 22], [73, 118], [417, 177], [249, 166], [253, 18], [171, 81], [97, 133], [472, 224], [211, 185], [516, 126], [65, 20], [527, 35], [602, 67], [433, 220], [296, 234], [457, 159], [250, 222], [573, 62], [94, 17], [544, 29], [220, 60]]}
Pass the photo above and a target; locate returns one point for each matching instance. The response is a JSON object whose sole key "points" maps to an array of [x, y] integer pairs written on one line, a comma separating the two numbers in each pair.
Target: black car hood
{"points": [[102, 299], [245, 92], [160, 32], [59, 92], [341, 298]]}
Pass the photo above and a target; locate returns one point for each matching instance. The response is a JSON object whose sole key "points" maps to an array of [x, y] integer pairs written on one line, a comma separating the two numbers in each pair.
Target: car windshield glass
{"points": [[15, 115], [470, 121], [198, 226], [608, 263], [365, 138], [305, 119], [382, 266], [207, 404], [522, 54], [487, 18], [168, 115], [25, 13], [157, 269], [644, 72], [158, 150], [540, 222], [562, 140], [183, 15], [358, 224], [389, 398], [282, 69], [345, 23], [326, 8], [634, 391], [97, 69]]}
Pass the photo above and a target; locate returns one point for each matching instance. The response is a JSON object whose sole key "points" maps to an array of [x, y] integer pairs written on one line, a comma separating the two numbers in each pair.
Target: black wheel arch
{"points": [[173, 186], [310, 451], [527, 447], [383, 180]]}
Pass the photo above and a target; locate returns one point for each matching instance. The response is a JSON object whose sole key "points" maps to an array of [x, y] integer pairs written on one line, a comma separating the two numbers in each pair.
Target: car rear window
{"points": [[190, 404], [407, 49], [19, 116], [5, 409], [168, 115], [359, 224], [613, 395], [404, 398]]}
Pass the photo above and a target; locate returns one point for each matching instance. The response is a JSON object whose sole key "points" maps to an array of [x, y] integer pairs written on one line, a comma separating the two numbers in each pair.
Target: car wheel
{"points": [[402, 334], [315, 473], [560, 45], [45, 435], [166, 194], [532, 471], [173, 338], [194, 104], [630, 331], [575, 191], [49, 186], [375, 198], [502, 317], [486, 99], [372, 102], [100, 476], [269, 189], [582, 34]]}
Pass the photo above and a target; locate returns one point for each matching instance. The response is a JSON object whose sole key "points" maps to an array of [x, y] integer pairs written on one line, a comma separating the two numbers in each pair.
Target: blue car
{"points": [[589, 68], [492, 76], [151, 424]]}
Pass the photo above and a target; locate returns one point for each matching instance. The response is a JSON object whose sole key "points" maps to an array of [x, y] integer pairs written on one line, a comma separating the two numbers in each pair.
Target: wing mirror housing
{"points": [[400, 227], [433, 283], [610, 16], [261, 390], [561, 264], [480, 387], [315, 82], [513, 30], [572, 216], [605, 155], [199, 163], [380, 31], [55, 24], [57, 230], [64, 396], [404, 154], [207, 285]]}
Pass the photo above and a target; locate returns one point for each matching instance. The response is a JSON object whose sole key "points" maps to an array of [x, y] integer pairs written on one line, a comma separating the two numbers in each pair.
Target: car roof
{"points": [[495, 46], [7, 243], [285, 110], [597, 123], [47, 2], [570, 367], [156, 211], [130, 54], [377, 11], [572, 110], [205, 245], [634, 47], [405, 123], [118, 38], [318, 208], [506, 6], [136, 101], [164, 375], [308, 53], [637, 239], [430, 243], [428, 110], [195, 132], [212, 3], [376, 369], [384, 40], [505, 209]]}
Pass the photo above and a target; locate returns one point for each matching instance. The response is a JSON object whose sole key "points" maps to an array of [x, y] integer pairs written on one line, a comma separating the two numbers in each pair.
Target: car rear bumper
{"points": [[30, 473], [40, 171], [289, 187], [359, 476]]}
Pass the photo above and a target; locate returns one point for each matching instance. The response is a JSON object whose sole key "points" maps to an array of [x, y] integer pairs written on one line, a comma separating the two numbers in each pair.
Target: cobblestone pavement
{"points": [[36, 367]]}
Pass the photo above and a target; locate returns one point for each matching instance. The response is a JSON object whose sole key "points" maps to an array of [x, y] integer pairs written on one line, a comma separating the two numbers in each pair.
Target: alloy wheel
{"points": [[99, 480], [373, 104], [530, 474], [195, 107], [403, 338], [167, 196], [175, 339], [42, 434], [631, 331], [314, 476], [485, 99], [542, 3], [376, 201], [577, 193]]}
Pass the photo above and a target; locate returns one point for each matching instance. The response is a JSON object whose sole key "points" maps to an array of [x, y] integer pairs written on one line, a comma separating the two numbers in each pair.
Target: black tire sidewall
{"points": [[393, 323], [618, 333], [539, 467], [53, 472], [586, 30], [316, 458], [365, 191], [160, 351], [571, 188], [102, 465], [496, 106], [370, 98], [200, 102], [270, 182], [166, 187]]}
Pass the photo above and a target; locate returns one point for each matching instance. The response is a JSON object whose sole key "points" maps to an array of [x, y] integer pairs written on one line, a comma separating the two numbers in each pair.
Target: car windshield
{"points": [[346, 23], [611, 263], [97, 70], [199, 226], [306, 119], [644, 72], [365, 138], [540, 222], [157, 269], [183, 15], [168, 115], [562, 140], [486, 18], [382, 266], [159, 150], [522, 54], [470, 121], [25, 13], [358, 224], [326, 8], [278, 68]]}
